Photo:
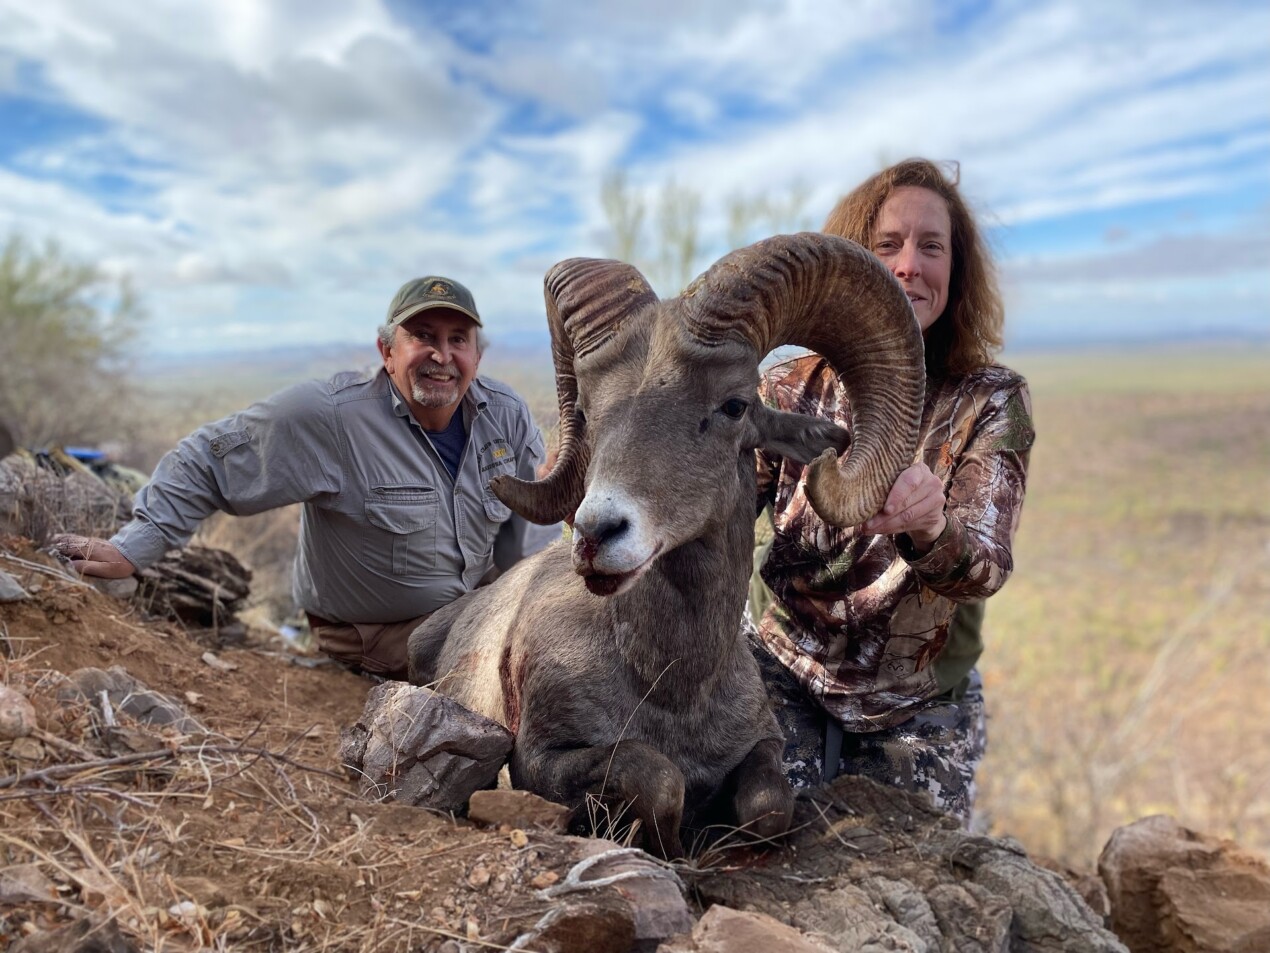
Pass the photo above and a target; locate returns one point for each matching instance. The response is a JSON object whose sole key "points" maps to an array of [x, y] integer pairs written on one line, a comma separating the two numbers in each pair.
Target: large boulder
{"points": [[1173, 890], [416, 746], [869, 868]]}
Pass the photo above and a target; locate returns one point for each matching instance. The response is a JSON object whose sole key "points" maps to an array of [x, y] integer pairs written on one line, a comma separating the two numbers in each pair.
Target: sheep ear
{"points": [[796, 436]]}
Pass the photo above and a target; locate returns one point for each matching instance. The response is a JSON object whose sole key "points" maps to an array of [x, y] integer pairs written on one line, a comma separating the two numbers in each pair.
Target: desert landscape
{"points": [[1124, 675]]}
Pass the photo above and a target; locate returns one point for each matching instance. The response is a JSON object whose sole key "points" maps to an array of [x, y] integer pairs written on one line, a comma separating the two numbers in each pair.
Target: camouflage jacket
{"points": [[859, 620]]}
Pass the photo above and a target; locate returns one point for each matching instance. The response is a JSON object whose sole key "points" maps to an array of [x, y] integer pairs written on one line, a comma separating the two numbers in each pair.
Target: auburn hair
{"points": [[967, 334]]}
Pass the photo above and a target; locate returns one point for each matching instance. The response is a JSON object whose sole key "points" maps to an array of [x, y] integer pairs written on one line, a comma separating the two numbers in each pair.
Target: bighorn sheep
{"points": [[619, 666]]}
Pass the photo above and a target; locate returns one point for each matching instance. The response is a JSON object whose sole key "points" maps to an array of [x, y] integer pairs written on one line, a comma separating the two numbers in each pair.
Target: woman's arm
{"points": [[960, 543]]}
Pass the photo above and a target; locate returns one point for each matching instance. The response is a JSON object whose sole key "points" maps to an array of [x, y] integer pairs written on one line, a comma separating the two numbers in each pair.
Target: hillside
{"points": [[219, 818]]}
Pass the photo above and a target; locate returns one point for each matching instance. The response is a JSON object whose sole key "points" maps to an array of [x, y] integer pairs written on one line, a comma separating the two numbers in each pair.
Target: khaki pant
{"points": [[377, 649]]}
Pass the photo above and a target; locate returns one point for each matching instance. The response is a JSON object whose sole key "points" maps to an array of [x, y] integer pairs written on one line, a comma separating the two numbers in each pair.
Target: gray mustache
{"points": [[448, 368]]}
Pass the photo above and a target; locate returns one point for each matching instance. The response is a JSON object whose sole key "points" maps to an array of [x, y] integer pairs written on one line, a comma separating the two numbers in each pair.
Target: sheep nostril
{"points": [[611, 530], [602, 531], [599, 532]]}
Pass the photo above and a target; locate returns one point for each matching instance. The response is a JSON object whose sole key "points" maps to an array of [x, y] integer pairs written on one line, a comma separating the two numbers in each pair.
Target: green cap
{"points": [[431, 292]]}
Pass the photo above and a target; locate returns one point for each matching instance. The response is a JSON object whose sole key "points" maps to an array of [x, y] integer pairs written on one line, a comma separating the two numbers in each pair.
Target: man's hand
{"points": [[93, 557], [914, 506]]}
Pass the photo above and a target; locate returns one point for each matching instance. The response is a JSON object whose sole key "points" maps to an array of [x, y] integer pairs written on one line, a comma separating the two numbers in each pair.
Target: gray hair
{"points": [[388, 332]]}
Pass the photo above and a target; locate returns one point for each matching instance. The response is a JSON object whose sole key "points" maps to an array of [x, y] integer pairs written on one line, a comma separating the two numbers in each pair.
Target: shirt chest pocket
{"points": [[496, 511], [401, 534]]}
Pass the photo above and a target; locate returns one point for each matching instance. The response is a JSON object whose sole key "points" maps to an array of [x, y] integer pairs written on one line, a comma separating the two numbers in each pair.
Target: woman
{"points": [[867, 655]]}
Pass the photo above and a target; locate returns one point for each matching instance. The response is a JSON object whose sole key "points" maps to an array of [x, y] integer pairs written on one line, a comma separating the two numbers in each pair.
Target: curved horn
{"points": [[830, 295], [587, 300]]}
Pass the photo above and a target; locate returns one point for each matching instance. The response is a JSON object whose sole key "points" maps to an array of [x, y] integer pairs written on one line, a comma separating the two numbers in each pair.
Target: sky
{"points": [[269, 173]]}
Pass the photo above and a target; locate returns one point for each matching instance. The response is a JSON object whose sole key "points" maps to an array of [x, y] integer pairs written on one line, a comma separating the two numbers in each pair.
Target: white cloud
{"points": [[1170, 257], [325, 151]]}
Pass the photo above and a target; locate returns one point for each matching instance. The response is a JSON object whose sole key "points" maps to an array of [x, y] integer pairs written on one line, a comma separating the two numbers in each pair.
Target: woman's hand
{"points": [[93, 557], [914, 506]]}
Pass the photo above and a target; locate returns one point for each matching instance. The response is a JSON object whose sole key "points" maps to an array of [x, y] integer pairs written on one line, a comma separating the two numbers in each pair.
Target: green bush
{"points": [[67, 328]]}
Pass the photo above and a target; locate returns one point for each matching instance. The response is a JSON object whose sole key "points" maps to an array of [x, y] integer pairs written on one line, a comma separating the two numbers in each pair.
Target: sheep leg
{"points": [[628, 777], [762, 800]]}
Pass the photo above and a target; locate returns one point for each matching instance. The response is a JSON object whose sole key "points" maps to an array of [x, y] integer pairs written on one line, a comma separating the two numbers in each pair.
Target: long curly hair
{"points": [[968, 333]]}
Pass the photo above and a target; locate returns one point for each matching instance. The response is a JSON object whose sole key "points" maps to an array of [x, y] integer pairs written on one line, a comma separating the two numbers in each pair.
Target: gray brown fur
{"points": [[628, 680]]}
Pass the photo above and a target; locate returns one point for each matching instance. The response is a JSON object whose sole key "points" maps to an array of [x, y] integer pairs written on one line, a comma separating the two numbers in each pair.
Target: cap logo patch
{"points": [[440, 288]]}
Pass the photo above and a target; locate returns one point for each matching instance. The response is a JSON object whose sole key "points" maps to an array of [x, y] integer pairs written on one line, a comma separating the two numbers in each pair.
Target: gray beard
{"points": [[430, 395]]}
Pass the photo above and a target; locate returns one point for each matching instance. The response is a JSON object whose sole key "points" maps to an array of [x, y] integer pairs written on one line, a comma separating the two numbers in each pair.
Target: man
{"points": [[393, 470]]}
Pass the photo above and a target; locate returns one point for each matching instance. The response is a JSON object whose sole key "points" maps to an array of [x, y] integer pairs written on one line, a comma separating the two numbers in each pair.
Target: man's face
{"points": [[433, 358]]}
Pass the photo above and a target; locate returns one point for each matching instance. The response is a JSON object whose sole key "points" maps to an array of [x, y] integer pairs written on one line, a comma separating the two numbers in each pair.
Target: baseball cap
{"points": [[431, 292]]}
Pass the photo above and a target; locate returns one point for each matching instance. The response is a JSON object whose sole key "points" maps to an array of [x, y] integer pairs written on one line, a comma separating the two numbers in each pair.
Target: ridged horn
{"points": [[830, 295], [587, 300]]}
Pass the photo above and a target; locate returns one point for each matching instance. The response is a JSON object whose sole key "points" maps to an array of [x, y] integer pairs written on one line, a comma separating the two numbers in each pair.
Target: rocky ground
{"points": [[162, 790]]}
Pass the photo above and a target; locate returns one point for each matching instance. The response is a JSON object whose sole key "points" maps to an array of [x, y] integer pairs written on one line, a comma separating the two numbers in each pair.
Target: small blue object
{"points": [[85, 454]]}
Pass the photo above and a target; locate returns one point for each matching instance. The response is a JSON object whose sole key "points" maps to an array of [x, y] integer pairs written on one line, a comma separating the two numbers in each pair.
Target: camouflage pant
{"points": [[936, 752]]}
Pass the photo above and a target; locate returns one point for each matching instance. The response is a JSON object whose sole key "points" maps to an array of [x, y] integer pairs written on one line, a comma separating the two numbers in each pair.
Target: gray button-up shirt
{"points": [[385, 534]]}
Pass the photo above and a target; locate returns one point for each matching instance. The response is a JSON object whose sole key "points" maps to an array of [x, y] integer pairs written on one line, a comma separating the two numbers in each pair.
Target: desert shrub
{"points": [[67, 327]]}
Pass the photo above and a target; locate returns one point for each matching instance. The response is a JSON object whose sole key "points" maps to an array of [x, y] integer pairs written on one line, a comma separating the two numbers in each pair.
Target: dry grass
{"points": [[1125, 669], [105, 834], [248, 838]]}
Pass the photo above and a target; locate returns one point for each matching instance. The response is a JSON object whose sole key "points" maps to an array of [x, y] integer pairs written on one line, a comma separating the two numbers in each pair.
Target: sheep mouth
{"points": [[611, 583], [605, 585]]}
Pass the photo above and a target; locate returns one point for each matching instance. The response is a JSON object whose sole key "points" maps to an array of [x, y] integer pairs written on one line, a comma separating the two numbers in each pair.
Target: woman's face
{"points": [[913, 237]]}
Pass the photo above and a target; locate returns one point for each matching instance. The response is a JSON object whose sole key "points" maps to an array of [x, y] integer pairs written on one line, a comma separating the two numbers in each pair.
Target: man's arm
{"points": [[281, 450]]}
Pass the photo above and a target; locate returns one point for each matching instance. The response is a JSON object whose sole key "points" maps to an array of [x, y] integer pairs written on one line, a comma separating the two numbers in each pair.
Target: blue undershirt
{"points": [[449, 443]]}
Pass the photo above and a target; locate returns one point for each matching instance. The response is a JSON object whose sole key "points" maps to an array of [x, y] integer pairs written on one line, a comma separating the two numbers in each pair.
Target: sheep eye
{"points": [[735, 407]]}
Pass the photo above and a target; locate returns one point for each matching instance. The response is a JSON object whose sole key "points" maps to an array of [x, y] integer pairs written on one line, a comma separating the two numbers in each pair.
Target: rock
{"points": [[130, 696], [122, 589], [27, 749], [723, 930], [200, 586], [26, 883], [17, 715], [520, 809], [416, 746], [10, 589], [214, 661], [609, 898], [83, 936], [652, 889], [603, 923], [870, 868], [1088, 885], [1173, 889]]}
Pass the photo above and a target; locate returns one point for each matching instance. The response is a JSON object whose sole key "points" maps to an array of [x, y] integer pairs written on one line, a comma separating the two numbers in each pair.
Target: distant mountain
{"points": [[517, 348], [1215, 337]]}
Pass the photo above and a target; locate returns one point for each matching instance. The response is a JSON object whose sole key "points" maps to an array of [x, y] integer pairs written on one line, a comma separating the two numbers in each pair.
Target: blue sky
{"points": [[270, 173]]}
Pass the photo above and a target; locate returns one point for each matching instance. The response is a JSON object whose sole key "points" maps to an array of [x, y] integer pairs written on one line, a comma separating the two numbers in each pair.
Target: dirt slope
{"points": [[252, 841], [248, 837]]}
